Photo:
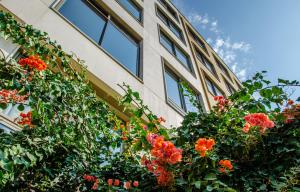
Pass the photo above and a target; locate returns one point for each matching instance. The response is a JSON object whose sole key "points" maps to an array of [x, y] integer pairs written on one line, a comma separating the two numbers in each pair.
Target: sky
{"points": [[251, 35]]}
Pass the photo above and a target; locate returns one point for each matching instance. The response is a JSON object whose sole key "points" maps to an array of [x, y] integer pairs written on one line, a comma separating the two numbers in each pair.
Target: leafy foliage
{"points": [[71, 141]]}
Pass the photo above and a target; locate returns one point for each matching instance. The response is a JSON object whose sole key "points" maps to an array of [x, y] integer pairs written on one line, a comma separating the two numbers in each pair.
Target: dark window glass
{"points": [[222, 67], [197, 40], [173, 91], [132, 8], [121, 47], [173, 27], [176, 51], [162, 17], [213, 88], [166, 42], [229, 88], [205, 62], [182, 57], [84, 17], [169, 8]]}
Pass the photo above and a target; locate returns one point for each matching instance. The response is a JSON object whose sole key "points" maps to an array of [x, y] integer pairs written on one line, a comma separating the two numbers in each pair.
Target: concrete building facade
{"points": [[148, 44]]}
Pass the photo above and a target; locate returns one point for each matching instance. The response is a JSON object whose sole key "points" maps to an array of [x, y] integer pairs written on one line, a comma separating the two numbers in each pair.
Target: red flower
{"points": [[110, 182], [246, 127], [225, 165], [260, 120], [33, 62], [89, 178], [25, 119], [127, 185], [290, 102], [116, 182], [96, 184], [135, 183], [221, 102], [202, 145], [7, 96]]}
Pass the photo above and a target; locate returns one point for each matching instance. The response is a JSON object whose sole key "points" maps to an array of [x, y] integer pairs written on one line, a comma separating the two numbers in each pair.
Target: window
{"points": [[222, 67], [176, 94], [96, 25], [205, 62], [176, 51], [169, 8], [132, 8], [197, 40], [229, 88], [239, 85], [213, 88], [172, 26]]}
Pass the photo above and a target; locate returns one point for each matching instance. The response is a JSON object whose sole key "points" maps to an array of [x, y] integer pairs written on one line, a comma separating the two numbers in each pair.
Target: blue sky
{"points": [[251, 35]]}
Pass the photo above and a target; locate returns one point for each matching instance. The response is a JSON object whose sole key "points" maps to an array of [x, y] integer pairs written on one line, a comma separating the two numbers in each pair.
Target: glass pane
{"points": [[182, 57], [173, 89], [166, 42], [210, 86], [132, 8], [162, 16], [121, 47], [175, 30], [218, 92], [83, 17], [209, 66], [189, 106]]}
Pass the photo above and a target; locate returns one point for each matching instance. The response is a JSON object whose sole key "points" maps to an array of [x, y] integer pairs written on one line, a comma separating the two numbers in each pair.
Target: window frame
{"points": [[169, 22], [223, 68], [170, 9], [229, 87], [117, 24], [135, 4], [215, 88], [189, 66], [183, 108], [203, 59], [196, 39]]}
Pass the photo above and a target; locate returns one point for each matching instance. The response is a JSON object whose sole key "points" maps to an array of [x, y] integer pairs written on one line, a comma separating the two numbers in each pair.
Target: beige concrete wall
{"points": [[105, 72]]}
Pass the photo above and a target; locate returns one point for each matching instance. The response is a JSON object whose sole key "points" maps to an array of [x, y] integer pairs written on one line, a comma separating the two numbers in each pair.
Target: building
{"points": [[148, 44]]}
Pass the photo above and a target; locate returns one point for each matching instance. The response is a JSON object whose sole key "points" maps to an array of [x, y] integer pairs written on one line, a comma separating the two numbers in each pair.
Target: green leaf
{"points": [[21, 107], [210, 177], [197, 184]]}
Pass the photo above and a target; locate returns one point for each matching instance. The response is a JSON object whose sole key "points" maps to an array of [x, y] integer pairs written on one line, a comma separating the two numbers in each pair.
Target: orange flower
{"points": [[290, 102], [7, 96], [221, 102], [96, 184], [225, 165], [33, 62], [161, 119], [116, 182], [246, 127], [127, 185], [135, 183], [110, 182], [202, 145], [260, 120]]}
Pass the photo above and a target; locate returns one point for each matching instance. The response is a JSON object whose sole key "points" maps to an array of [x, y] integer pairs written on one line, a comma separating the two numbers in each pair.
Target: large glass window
{"points": [[104, 32], [176, 51], [176, 94], [121, 47], [172, 26], [132, 8], [222, 67], [205, 62], [83, 16], [213, 88], [197, 39], [170, 9], [173, 90]]}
